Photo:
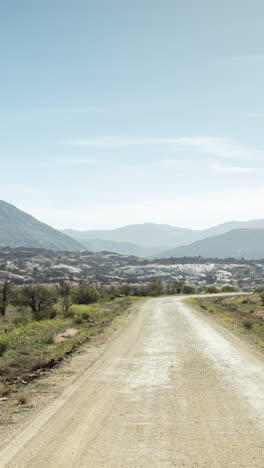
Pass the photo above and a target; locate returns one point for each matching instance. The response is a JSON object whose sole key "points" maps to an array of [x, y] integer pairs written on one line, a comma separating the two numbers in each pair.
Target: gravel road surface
{"points": [[173, 389]]}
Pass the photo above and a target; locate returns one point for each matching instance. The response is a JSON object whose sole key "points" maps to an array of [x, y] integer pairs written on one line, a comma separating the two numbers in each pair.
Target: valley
{"points": [[24, 266]]}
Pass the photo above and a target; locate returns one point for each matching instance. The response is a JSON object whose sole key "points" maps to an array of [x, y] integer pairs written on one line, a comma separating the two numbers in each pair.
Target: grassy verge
{"points": [[28, 346], [242, 314]]}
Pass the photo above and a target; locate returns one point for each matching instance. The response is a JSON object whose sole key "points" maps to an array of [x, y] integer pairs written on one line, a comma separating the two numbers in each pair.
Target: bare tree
{"points": [[40, 299], [65, 290], [5, 295]]}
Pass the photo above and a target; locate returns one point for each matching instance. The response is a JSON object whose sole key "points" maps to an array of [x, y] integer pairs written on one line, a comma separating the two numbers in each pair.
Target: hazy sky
{"points": [[119, 112]]}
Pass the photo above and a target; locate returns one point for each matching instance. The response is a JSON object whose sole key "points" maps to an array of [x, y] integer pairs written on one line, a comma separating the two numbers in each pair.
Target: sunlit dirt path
{"points": [[172, 389]]}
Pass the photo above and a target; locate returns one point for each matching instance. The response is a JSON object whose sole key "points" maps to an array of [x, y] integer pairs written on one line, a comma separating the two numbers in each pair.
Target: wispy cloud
{"points": [[235, 169], [220, 147], [32, 111], [79, 161], [206, 146], [113, 142]]}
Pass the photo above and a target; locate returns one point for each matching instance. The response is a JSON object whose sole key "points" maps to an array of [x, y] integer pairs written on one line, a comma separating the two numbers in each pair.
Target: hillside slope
{"points": [[246, 243], [150, 239], [19, 229]]}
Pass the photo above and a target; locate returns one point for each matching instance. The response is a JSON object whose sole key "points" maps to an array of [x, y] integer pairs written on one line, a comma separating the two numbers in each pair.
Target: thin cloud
{"points": [[208, 146], [235, 169], [220, 147], [79, 161], [112, 142]]}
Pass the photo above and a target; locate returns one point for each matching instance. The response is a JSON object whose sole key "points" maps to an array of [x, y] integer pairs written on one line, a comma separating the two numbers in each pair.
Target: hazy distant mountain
{"points": [[144, 235], [230, 226], [124, 248], [247, 243], [19, 229], [152, 239]]}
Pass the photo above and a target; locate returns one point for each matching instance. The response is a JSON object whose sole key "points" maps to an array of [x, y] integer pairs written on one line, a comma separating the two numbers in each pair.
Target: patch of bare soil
{"points": [[68, 333]]}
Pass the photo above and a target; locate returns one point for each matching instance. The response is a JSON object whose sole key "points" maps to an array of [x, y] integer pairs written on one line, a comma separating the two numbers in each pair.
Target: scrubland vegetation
{"points": [[242, 314], [40, 324]]}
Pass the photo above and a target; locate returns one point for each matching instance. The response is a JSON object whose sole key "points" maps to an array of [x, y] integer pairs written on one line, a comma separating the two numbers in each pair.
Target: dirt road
{"points": [[173, 389]]}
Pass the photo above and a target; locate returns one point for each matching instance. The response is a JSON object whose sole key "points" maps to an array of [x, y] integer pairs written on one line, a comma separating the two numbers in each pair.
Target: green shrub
{"points": [[187, 289], [248, 324], [78, 320], [85, 316], [68, 313], [228, 289], [46, 314], [21, 321], [212, 290], [3, 346], [85, 295], [262, 297], [49, 339]]}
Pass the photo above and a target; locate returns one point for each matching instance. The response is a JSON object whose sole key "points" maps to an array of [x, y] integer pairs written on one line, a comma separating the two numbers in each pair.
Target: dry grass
{"points": [[29, 345], [242, 314]]}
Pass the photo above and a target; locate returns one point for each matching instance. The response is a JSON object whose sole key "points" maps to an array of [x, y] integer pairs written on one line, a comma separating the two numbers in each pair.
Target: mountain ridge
{"points": [[19, 229], [138, 239], [237, 243]]}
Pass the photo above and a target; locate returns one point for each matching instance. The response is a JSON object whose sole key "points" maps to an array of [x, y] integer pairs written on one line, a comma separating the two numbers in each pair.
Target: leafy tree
{"points": [[6, 289]]}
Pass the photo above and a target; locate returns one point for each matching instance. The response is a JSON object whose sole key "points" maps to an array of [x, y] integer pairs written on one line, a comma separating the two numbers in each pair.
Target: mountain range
{"points": [[163, 241], [238, 243], [232, 239], [19, 229]]}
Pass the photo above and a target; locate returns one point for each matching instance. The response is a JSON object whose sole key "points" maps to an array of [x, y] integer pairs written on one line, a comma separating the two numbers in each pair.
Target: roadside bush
{"points": [[187, 289], [49, 339], [228, 289], [21, 321], [78, 320], [262, 298], [22, 399], [46, 314], [212, 290], [248, 324], [85, 316], [68, 313], [85, 295], [3, 346], [125, 289]]}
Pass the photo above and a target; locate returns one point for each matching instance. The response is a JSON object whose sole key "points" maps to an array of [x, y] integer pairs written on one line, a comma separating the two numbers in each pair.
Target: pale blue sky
{"points": [[116, 112]]}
